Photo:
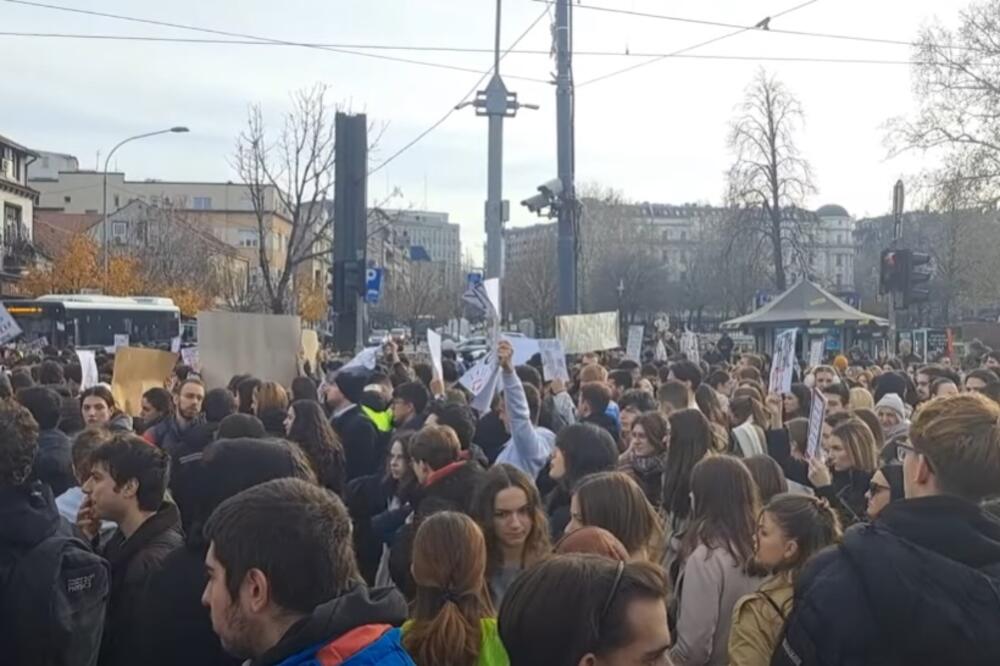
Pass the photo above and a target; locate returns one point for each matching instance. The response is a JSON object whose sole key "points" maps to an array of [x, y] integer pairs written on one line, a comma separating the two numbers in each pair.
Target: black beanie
{"points": [[352, 383]]}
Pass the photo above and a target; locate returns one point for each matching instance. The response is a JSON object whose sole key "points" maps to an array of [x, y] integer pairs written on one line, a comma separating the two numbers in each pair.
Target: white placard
{"points": [[189, 357], [482, 380], [366, 358], [88, 368], [783, 363], [689, 346], [588, 332], [434, 345], [660, 354], [524, 349], [553, 360], [121, 340], [633, 349], [817, 413], [492, 287], [816, 353], [175, 344], [8, 327]]}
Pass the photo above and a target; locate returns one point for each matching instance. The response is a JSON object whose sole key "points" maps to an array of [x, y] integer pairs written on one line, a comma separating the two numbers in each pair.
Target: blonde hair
{"points": [[861, 399], [859, 441], [960, 435]]}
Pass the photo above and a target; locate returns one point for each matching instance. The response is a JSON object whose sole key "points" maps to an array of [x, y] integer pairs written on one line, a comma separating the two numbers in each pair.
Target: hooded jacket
{"points": [[53, 462], [920, 586], [355, 629], [359, 438]]}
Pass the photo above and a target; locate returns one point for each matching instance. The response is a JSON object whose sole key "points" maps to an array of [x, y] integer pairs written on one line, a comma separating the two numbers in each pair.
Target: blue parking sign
{"points": [[373, 285]]}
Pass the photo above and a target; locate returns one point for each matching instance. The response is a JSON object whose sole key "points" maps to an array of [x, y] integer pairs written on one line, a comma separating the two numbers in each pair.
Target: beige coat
{"points": [[757, 623]]}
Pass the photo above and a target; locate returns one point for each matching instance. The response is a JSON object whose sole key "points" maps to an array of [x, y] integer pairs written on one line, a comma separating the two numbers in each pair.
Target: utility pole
{"points": [[897, 228], [496, 103], [568, 210]]}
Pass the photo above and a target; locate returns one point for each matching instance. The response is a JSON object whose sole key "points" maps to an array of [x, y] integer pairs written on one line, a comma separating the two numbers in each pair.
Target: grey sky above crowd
{"points": [[657, 133]]}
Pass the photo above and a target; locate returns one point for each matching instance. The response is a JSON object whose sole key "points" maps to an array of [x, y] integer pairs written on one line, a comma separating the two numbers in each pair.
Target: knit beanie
{"points": [[893, 402]]}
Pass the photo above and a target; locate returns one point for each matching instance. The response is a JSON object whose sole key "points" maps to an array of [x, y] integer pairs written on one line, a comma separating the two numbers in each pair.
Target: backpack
{"points": [[53, 599]]}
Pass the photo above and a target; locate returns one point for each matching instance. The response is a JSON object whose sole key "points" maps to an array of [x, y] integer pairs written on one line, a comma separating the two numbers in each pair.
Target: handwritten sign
{"points": [[553, 360], [588, 332], [8, 327], [783, 364], [633, 348], [816, 352], [817, 414]]}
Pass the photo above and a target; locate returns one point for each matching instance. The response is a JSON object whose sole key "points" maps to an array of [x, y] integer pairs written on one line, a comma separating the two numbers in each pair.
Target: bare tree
{"points": [[769, 176], [957, 86], [419, 296], [531, 287], [291, 177]]}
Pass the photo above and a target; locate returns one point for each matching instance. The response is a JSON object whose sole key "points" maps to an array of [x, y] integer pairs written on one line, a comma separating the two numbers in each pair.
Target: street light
{"points": [[621, 310], [104, 225]]}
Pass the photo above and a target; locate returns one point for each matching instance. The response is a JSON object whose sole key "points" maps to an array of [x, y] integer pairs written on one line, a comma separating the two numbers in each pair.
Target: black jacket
{"points": [[54, 461], [847, 495], [450, 488], [175, 627], [133, 561], [920, 586], [358, 607], [367, 499], [186, 449], [274, 421], [358, 436], [604, 421]]}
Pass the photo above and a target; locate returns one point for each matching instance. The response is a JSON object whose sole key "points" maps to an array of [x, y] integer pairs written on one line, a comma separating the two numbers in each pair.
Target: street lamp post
{"points": [[104, 224], [621, 310]]}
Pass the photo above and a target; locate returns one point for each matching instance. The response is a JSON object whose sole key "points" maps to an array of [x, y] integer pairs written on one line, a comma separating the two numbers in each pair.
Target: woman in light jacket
{"points": [[716, 552], [791, 529]]}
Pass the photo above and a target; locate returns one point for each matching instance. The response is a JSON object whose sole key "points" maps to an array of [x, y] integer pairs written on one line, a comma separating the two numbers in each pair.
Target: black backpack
{"points": [[53, 599]]}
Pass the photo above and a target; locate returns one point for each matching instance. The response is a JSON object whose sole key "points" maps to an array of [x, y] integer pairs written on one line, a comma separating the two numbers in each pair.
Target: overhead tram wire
{"points": [[258, 39], [448, 49], [777, 31], [739, 31], [440, 121]]}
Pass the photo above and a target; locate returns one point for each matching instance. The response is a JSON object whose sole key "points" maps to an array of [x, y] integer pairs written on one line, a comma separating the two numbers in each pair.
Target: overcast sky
{"points": [[657, 133]]}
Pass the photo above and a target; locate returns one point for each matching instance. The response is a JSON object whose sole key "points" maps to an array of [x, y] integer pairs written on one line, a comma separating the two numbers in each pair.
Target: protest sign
{"points": [[434, 346], [309, 349], [689, 346], [816, 352], [189, 357], [8, 327], [524, 349], [175, 344], [783, 364], [660, 354], [633, 349], [121, 340], [88, 368], [366, 358], [588, 332], [136, 371], [240, 342], [817, 413], [553, 360], [482, 380]]}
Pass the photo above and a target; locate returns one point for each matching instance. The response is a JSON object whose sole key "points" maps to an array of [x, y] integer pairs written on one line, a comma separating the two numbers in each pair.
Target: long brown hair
{"points": [[499, 478], [859, 441], [726, 506], [270, 395], [449, 569], [690, 441], [614, 501]]}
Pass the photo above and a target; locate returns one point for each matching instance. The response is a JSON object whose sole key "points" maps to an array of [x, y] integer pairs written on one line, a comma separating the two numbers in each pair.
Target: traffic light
{"points": [[891, 276], [917, 272], [348, 284]]}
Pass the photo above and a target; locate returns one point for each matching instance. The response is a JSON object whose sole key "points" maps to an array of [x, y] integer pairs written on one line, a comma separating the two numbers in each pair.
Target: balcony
{"points": [[18, 255]]}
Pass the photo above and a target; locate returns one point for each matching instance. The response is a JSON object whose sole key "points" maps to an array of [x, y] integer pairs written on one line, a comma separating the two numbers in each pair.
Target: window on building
{"points": [[67, 199], [840, 260], [202, 203], [684, 236], [11, 222], [119, 232], [248, 238]]}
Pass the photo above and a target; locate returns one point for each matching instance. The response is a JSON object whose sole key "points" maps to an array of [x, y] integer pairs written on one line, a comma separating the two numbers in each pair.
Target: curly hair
{"points": [[18, 444]]}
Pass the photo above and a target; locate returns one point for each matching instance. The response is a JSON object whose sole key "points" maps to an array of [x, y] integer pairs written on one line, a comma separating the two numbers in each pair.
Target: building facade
{"points": [[17, 205], [439, 238], [48, 165]]}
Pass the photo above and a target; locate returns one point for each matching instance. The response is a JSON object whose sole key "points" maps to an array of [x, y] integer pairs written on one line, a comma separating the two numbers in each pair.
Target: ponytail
{"points": [[746, 407], [810, 521], [450, 636]]}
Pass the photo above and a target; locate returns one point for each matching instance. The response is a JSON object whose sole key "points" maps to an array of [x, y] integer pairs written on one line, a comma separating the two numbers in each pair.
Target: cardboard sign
{"points": [[8, 327], [817, 414], [816, 353], [309, 349], [434, 346], [633, 348], [88, 368], [136, 371], [238, 342], [783, 364], [553, 360], [588, 332]]}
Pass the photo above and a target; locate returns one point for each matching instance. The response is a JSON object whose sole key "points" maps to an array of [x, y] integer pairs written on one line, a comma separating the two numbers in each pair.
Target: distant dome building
{"points": [[832, 210], [831, 254]]}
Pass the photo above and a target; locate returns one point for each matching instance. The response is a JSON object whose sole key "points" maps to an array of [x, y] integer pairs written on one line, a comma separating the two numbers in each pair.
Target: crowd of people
{"points": [[642, 513]]}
